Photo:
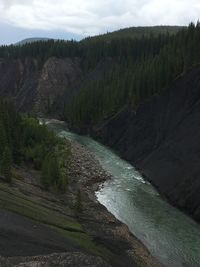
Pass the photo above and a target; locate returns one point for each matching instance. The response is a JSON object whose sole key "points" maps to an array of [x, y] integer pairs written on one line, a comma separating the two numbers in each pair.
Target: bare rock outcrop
{"points": [[35, 86]]}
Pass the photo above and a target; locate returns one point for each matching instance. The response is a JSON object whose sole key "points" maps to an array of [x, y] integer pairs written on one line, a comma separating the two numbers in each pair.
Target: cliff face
{"points": [[18, 81], [37, 87], [57, 78], [163, 139]]}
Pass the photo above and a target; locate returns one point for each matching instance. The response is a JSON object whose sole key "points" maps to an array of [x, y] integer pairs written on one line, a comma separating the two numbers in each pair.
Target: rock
{"points": [[33, 87], [77, 259]]}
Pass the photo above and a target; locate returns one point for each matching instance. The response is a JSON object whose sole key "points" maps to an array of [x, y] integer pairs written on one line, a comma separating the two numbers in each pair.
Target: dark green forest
{"points": [[24, 142], [139, 67], [139, 72], [138, 32]]}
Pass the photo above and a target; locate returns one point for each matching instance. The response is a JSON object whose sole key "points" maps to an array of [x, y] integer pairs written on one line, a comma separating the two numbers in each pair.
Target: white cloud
{"points": [[88, 17]]}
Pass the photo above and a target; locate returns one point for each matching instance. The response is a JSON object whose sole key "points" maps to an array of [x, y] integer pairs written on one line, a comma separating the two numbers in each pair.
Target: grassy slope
{"points": [[50, 214]]}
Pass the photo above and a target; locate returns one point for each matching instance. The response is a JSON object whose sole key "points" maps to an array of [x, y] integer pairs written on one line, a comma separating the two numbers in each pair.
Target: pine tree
{"points": [[46, 173], [6, 164], [50, 172]]}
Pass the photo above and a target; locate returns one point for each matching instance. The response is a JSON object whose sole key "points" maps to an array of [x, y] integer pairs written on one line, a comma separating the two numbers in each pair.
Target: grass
{"points": [[85, 242], [13, 200]]}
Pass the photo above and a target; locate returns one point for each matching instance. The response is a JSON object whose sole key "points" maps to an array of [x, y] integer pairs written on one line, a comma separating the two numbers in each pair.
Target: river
{"points": [[171, 236]]}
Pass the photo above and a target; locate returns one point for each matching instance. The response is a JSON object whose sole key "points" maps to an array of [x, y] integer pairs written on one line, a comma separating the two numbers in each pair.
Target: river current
{"points": [[171, 236]]}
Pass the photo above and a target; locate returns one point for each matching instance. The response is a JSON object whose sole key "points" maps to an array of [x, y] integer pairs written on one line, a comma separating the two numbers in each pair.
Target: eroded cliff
{"points": [[36, 86]]}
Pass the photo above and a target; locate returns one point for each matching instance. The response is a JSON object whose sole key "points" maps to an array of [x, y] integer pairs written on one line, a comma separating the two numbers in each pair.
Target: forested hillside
{"points": [[45, 76], [125, 70], [143, 67], [137, 32], [109, 73], [23, 141]]}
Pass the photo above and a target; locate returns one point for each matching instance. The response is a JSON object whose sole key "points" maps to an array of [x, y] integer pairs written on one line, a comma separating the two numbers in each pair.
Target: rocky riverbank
{"points": [[35, 222], [87, 174]]}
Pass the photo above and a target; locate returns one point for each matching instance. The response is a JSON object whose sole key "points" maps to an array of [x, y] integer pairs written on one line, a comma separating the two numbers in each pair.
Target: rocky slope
{"points": [[162, 139], [45, 86], [33, 86]]}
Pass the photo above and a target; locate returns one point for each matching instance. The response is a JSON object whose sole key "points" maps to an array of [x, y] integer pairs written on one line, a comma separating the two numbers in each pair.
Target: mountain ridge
{"points": [[138, 32], [133, 32]]}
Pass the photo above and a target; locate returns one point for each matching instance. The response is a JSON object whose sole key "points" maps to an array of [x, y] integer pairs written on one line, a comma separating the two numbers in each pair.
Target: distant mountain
{"points": [[137, 32], [132, 32], [32, 40]]}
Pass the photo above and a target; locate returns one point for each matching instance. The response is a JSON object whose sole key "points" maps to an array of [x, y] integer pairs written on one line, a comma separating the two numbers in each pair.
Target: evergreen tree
{"points": [[6, 164], [51, 174], [46, 173]]}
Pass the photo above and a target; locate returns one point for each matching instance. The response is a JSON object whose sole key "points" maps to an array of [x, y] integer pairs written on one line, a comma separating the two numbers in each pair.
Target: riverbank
{"points": [[37, 222], [88, 175]]}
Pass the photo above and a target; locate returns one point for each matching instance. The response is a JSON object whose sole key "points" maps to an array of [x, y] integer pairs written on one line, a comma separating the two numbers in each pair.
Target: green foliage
{"points": [[55, 167], [6, 164], [37, 141], [24, 140], [50, 171]]}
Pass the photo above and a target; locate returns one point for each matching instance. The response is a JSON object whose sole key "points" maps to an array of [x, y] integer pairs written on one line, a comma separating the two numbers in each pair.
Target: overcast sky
{"points": [[76, 19]]}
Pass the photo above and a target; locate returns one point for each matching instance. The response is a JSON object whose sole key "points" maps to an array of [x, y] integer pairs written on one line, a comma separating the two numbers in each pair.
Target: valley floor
{"points": [[35, 222]]}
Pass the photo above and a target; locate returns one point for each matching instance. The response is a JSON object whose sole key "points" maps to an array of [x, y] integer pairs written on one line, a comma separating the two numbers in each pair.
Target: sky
{"points": [[76, 19]]}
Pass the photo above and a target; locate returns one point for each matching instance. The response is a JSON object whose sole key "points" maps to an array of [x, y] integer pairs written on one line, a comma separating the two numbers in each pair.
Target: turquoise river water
{"points": [[171, 236]]}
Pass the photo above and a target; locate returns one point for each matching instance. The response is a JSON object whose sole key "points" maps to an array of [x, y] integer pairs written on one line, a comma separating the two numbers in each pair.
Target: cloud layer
{"points": [[89, 17]]}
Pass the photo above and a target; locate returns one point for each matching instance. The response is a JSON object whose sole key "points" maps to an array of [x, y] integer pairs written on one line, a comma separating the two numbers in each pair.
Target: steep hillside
{"points": [[162, 139], [36, 87]]}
